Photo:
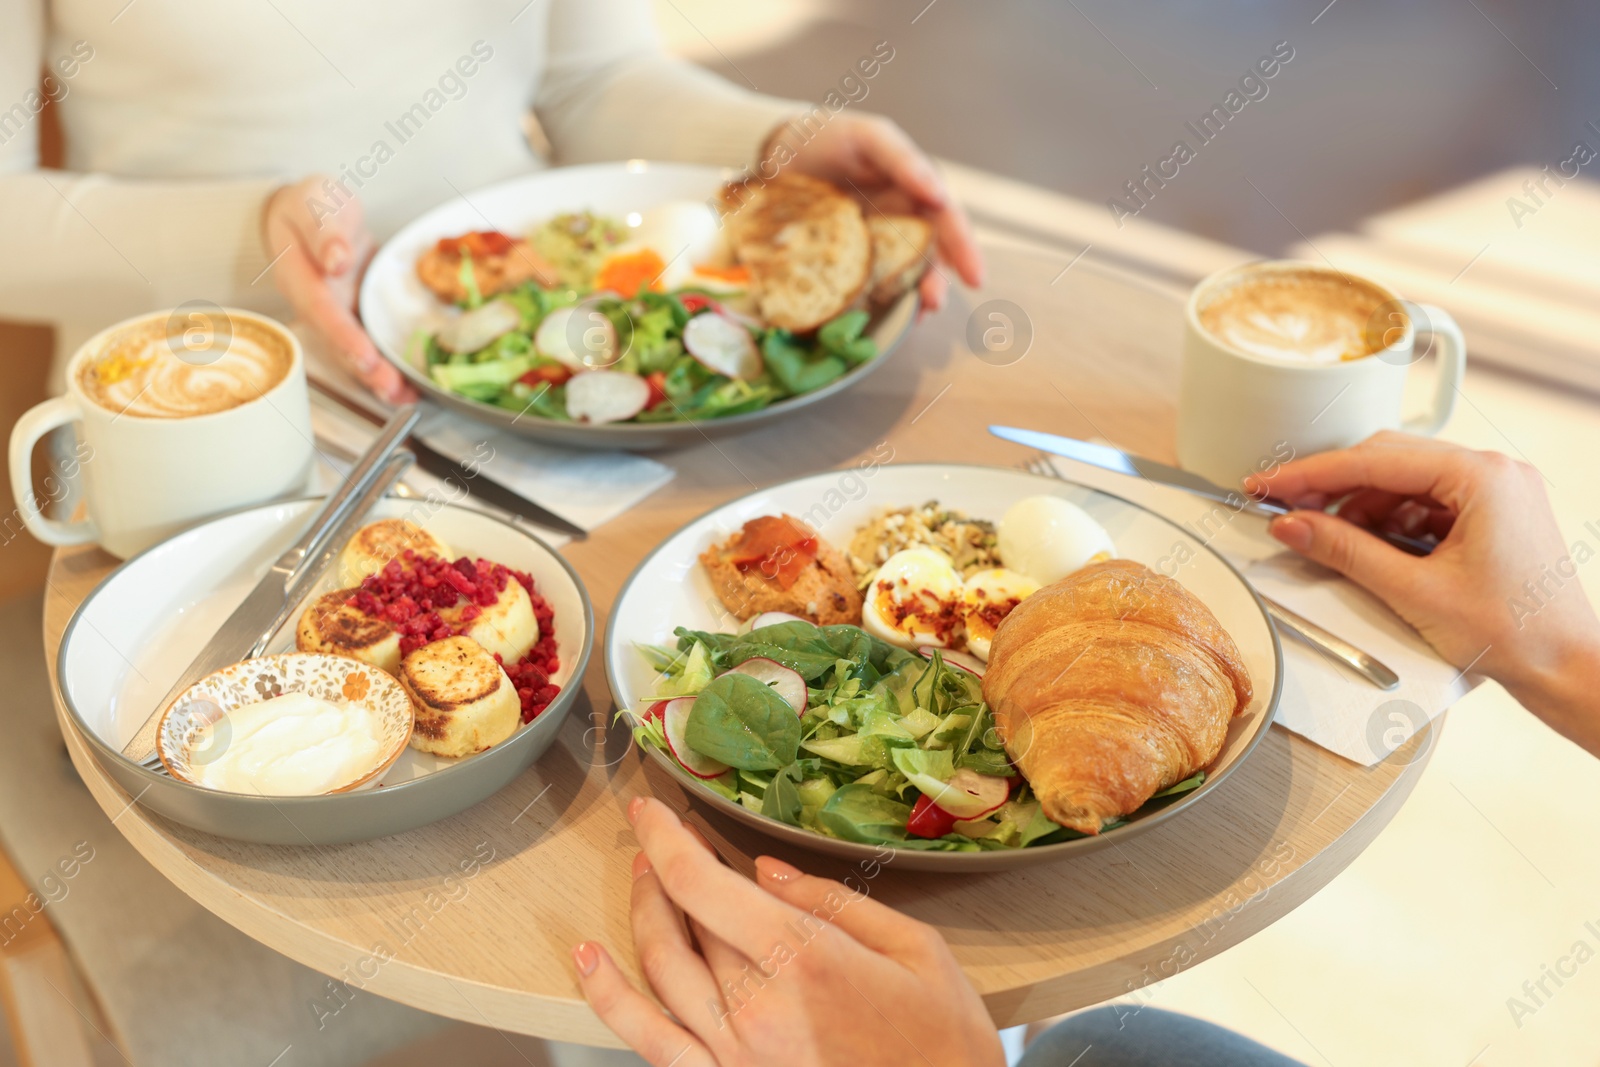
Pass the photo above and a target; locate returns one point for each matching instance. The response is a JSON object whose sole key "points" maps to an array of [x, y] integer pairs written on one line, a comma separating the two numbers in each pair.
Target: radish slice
{"points": [[970, 795], [787, 683], [771, 618], [970, 664], [722, 346], [585, 342], [656, 710], [597, 396], [675, 725], [478, 328]]}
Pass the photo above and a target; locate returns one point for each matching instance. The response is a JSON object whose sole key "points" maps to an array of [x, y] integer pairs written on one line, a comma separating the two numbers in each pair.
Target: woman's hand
{"points": [[318, 259], [789, 969], [873, 157], [1500, 594]]}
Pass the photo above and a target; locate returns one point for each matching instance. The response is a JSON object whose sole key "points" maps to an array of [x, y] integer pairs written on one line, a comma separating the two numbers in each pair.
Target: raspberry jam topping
{"points": [[428, 599]]}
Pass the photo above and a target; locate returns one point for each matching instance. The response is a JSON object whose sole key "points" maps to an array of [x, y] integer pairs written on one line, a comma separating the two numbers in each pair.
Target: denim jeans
{"points": [[1148, 1037]]}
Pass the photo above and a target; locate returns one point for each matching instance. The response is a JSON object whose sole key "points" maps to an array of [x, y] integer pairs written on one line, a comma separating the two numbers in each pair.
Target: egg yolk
{"points": [[631, 271]]}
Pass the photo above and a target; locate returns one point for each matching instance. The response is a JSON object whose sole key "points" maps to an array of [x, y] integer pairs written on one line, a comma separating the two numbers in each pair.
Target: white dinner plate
{"points": [[398, 310], [134, 635], [670, 589]]}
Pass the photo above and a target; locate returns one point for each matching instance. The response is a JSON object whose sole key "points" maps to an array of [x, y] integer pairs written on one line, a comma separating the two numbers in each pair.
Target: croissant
{"points": [[1109, 686]]}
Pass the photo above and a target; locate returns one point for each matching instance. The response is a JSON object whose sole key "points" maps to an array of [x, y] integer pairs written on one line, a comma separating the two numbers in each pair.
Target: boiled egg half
{"points": [[914, 599], [1047, 538], [986, 600]]}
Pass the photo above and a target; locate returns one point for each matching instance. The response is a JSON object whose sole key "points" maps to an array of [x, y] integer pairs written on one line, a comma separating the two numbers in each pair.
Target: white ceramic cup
{"points": [[1241, 413], [145, 478]]}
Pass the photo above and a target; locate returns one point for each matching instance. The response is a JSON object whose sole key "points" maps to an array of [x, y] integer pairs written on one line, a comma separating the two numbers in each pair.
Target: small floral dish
{"points": [[192, 746]]}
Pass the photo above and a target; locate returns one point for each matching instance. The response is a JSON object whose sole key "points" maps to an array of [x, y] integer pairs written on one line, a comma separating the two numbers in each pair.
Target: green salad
{"points": [[830, 729], [577, 356]]}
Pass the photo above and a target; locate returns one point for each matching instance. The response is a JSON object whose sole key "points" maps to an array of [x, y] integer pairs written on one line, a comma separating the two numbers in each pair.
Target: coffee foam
{"points": [[1303, 316], [137, 371]]}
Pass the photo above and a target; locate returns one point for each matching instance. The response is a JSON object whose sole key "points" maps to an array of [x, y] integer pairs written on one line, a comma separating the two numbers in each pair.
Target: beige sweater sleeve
{"points": [[611, 92], [78, 246]]}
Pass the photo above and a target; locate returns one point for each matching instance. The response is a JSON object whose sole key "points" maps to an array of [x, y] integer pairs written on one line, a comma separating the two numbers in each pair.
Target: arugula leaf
{"points": [[1188, 784], [743, 723], [979, 748]]}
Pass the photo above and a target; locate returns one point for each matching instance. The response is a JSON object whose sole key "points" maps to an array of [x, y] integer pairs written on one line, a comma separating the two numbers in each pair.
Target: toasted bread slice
{"points": [[901, 247], [376, 543], [333, 627], [805, 244], [462, 700]]}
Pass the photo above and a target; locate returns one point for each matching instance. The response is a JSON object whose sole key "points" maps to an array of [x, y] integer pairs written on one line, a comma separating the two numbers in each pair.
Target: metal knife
{"points": [[253, 622], [474, 483], [1114, 459], [1331, 645]]}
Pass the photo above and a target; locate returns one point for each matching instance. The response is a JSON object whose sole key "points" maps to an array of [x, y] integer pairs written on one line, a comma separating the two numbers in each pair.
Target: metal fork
{"points": [[1287, 621]]}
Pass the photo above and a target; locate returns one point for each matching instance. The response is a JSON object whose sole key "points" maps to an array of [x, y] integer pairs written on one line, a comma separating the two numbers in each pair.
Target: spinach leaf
{"points": [[811, 650], [743, 723], [782, 800], [856, 813]]}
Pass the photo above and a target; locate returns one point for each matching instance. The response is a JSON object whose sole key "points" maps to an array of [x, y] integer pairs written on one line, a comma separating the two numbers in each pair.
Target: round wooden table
{"points": [[550, 854]]}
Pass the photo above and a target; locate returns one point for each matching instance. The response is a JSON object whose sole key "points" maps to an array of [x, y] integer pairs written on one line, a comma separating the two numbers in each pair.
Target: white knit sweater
{"points": [[181, 115]]}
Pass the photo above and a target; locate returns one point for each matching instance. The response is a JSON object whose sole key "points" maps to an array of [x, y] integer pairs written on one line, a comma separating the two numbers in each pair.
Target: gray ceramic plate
{"points": [[670, 589], [395, 305], [136, 632]]}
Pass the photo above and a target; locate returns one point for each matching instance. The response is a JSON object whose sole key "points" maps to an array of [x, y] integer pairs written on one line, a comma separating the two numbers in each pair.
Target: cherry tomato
{"points": [[554, 373], [657, 381], [929, 819]]}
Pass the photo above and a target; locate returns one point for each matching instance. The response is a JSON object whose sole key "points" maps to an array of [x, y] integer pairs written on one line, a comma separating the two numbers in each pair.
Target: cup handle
{"points": [[39, 421], [1451, 369]]}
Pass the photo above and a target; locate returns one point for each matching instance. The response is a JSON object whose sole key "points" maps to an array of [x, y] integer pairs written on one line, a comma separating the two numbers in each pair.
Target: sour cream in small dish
{"points": [[295, 744]]}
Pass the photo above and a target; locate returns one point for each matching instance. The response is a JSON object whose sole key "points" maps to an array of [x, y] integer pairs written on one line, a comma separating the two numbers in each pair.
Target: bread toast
{"points": [[805, 244], [901, 247]]}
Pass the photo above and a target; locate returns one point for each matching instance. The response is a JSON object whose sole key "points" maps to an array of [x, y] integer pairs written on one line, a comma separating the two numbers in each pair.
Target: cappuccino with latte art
{"points": [[1311, 315], [153, 371], [186, 413]]}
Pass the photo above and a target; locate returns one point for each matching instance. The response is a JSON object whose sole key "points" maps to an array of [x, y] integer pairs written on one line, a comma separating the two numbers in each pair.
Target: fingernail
{"points": [[336, 257], [641, 866], [635, 806], [775, 870], [1296, 533], [587, 957]]}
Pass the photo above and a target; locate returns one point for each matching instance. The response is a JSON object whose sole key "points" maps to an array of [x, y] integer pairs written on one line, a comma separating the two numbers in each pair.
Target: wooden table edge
{"points": [[1072, 992]]}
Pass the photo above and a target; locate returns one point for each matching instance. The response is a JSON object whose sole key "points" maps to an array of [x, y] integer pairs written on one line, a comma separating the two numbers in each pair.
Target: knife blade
{"points": [[1114, 459], [471, 482], [1332, 645]]}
